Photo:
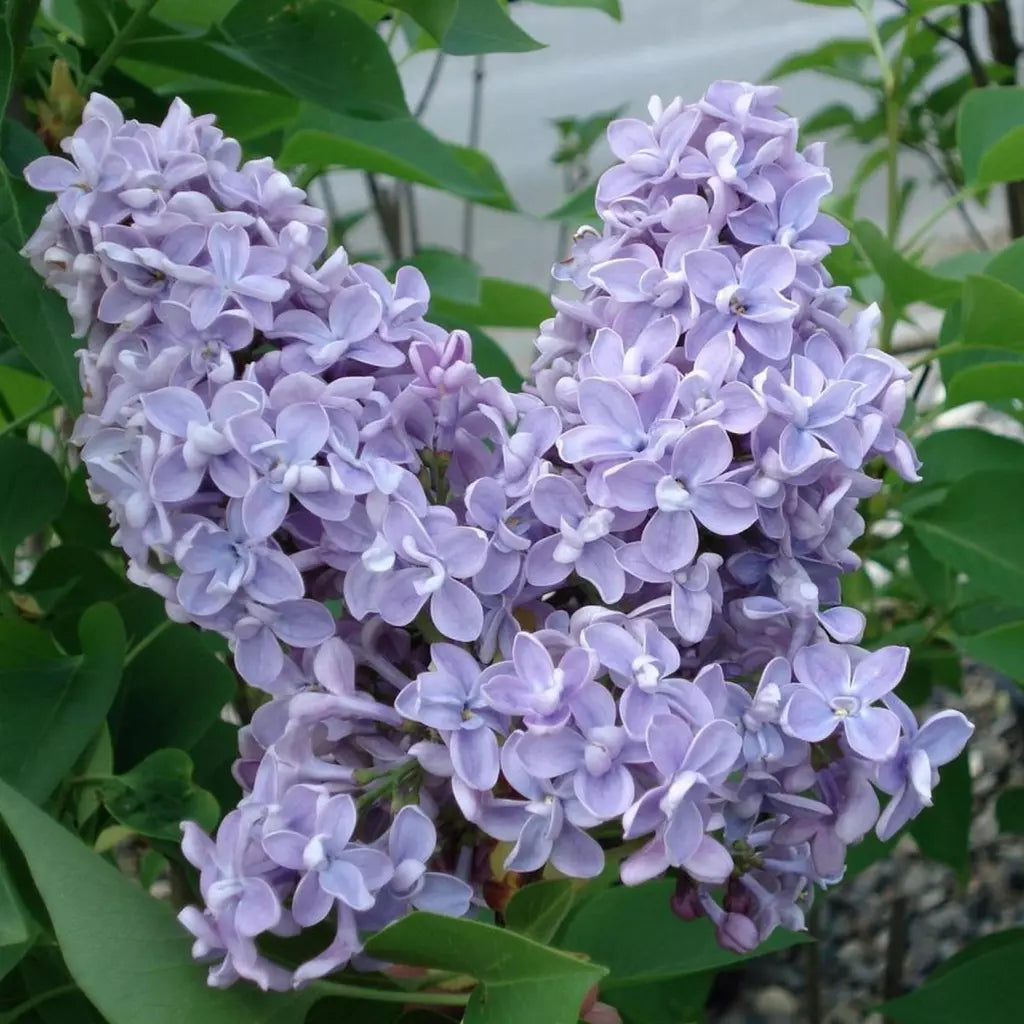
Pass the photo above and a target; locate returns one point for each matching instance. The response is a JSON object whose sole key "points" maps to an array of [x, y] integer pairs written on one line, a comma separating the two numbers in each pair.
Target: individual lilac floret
{"points": [[534, 687], [747, 297], [410, 845], [692, 767], [335, 870], [449, 699], [912, 774], [834, 693], [438, 555], [692, 490], [596, 757]]}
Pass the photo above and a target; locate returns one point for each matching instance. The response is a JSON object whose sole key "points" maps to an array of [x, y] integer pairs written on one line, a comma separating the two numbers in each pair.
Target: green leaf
{"points": [[502, 304], [942, 831], [449, 275], [1007, 265], [1010, 811], [986, 117], [172, 692], [244, 114], [993, 314], [662, 1002], [978, 530], [950, 455], [158, 794], [520, 980], [125, 950], [578, 208], [979, 947], [23, 645], [986, 382], [26, 510], [1001, 647], [432, 15], [904, 281], [1004, 159], [202, 13], [537, 910], [22, 391], [937, 582], [320, 52], [484, 26], [36, 318], [50, 711], [193, 57], [633, 931], [610, 7], [980, 990], [837, 58], [402, 148], [15, 926], [6, 65]]}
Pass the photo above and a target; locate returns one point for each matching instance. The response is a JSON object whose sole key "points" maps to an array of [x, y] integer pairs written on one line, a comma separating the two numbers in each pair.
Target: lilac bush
{"points": [[605, 609]]}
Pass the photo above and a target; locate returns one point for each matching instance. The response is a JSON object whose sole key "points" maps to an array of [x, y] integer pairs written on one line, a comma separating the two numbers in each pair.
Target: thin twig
{"points": [[812, 969], [331, 209], [1006, 52], [475, 125], [896, 952], [386, 208], [962, 41], [966, 43], [406, 190], [115, 46], [431, 84], [30, 1004]]}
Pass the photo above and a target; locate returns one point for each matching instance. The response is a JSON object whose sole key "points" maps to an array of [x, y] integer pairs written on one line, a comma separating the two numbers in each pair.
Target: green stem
{"points": [[115, 46], [152, 635], [890, 90], [21, 15], [937, 353], [387, 782], [387, 995], [956, 200], [28, 417], [30, 1004]]}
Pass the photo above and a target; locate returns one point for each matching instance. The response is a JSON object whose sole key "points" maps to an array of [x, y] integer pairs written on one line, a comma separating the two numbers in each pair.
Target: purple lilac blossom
{"points": [[482, 617]]}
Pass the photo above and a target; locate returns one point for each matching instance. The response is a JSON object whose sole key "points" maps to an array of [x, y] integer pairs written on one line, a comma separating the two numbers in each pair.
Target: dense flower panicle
{"points": [[481, 617]]}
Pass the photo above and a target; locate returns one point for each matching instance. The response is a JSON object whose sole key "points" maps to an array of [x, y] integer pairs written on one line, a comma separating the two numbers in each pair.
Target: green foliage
{"points": [[658, 964], [538, 910], [50, 706], [989, 135], [1010, 811], [943, 833], [319, 52], [24, 511], [36, 319], [979, 987], [520, 980], [484, 26], [112, 934], [977, 529], [157, 795]]}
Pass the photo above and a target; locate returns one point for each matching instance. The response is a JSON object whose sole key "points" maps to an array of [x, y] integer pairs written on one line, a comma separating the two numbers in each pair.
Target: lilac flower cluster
{"points": [[604, 609]]}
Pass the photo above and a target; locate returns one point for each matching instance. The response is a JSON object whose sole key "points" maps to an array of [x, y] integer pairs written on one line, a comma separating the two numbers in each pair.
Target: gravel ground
{"points": [[941, 916]]}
